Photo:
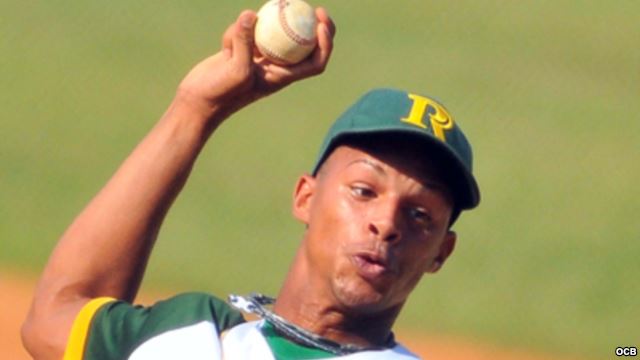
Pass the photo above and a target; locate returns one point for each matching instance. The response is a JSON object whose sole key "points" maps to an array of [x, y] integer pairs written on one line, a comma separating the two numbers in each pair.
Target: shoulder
{"points": [[189, 308], [118, 328], [181, 310]]}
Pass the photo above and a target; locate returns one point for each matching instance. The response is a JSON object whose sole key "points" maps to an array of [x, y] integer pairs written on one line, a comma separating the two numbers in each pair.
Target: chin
{"points": [[361, 297]]}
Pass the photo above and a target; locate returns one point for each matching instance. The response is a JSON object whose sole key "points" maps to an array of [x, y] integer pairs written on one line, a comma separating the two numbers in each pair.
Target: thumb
{"points": [[243, 38]]}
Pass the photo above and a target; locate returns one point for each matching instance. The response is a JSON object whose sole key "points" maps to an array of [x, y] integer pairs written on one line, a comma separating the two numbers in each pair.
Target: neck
{"points": [[309, 303]]}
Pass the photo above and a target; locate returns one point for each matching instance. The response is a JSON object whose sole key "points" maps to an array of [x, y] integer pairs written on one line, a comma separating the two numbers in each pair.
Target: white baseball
{"points": [[286, 31]]}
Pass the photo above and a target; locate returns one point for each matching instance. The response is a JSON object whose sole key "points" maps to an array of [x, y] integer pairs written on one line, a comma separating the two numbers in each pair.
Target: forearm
{"points": [[105, 250]]}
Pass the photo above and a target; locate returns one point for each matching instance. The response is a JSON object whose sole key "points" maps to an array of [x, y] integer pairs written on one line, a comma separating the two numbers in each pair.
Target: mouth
{"points": [[371, 266]]}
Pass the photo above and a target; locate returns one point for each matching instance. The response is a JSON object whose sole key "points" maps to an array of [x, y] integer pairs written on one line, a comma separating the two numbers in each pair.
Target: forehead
{"points": [[409, 158]]}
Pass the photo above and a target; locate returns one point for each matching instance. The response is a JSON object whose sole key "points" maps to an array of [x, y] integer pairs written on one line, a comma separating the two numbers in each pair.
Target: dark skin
{"points": [[377, 221], [104, 251]]}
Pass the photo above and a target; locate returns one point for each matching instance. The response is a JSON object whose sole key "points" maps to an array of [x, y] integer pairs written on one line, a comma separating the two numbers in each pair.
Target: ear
{"points": [[446, 249], [302, 195]]}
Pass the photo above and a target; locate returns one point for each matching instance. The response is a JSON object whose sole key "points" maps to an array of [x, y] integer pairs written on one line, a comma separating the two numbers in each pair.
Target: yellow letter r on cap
{"points": [[438, 117]]}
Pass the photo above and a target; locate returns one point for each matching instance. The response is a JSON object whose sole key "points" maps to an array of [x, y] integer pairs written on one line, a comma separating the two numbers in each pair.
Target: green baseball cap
{"points": [[390, 111]]}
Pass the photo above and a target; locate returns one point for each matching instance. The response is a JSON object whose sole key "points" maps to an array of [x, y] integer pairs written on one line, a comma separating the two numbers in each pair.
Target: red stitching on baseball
{"points": [[288, 30], [271, 54]]}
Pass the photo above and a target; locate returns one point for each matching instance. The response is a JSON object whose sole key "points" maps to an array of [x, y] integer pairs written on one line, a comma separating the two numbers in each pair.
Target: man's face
{"points": [[377, 220]]}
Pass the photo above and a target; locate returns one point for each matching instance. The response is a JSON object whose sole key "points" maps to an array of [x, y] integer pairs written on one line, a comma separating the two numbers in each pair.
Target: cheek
{"points": [[417, 255], [415, 262], [333, 224], [338, 215]]}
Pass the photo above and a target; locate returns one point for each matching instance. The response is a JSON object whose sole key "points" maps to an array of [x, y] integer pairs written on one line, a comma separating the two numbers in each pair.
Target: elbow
{"points": [[28, 336], [32, 338], [42, 336]]}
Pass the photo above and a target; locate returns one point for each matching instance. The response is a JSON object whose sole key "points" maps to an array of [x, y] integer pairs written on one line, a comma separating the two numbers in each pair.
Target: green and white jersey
{"points": [[187, 326]]}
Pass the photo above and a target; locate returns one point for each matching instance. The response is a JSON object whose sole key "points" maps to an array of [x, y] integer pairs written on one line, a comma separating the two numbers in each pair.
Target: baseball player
{"points": [[391, 178]]}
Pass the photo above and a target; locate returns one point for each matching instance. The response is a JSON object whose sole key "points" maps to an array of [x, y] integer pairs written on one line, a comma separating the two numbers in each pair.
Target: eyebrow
{"points": [[370, 163], [428, 185]]}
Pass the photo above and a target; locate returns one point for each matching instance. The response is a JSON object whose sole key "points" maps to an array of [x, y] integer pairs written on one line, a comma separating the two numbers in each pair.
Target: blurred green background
{"points": [[546, 90]]}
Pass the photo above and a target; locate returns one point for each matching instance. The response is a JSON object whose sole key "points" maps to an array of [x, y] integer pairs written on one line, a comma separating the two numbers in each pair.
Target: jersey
{"points": [[188, 326]]}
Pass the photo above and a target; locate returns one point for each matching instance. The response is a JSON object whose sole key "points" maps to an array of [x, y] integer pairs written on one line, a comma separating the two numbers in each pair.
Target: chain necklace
{"points": [[255, 304]]}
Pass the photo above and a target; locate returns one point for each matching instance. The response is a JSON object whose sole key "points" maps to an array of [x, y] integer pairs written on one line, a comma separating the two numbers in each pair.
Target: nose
{"points": [[384, 223]]}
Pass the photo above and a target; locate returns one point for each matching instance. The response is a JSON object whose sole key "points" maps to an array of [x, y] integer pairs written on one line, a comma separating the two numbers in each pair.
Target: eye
{"points": [[362, 192], [420, 215]]}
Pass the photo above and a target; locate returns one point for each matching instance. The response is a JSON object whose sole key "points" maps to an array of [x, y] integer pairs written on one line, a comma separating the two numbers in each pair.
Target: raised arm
{"points": [[105, 250]]}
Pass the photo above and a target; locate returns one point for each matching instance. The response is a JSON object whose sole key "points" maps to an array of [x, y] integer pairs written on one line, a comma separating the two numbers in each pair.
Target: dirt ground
{"points": [[15, 295]]}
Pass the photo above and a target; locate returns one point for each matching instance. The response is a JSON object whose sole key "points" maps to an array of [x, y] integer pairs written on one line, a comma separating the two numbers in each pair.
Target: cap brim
{"points": [[464, 185]]}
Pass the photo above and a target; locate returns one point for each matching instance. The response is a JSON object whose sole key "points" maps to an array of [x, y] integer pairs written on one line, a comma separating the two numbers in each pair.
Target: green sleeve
{"points": [[118, 328]]}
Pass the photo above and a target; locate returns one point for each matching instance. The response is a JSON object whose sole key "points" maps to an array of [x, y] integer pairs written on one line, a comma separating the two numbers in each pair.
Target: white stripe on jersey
{"points": [[243, 342]]}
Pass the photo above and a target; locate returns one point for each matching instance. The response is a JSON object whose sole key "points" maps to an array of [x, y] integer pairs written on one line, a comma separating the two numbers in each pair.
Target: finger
{"points": [[242, 37], [323, 52], [226, 38], [323, 16], [313, 65], [319, 59]]}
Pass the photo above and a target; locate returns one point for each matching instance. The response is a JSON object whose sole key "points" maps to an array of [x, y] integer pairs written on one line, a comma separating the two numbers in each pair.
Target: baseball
{"points": [[285, 31]]}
